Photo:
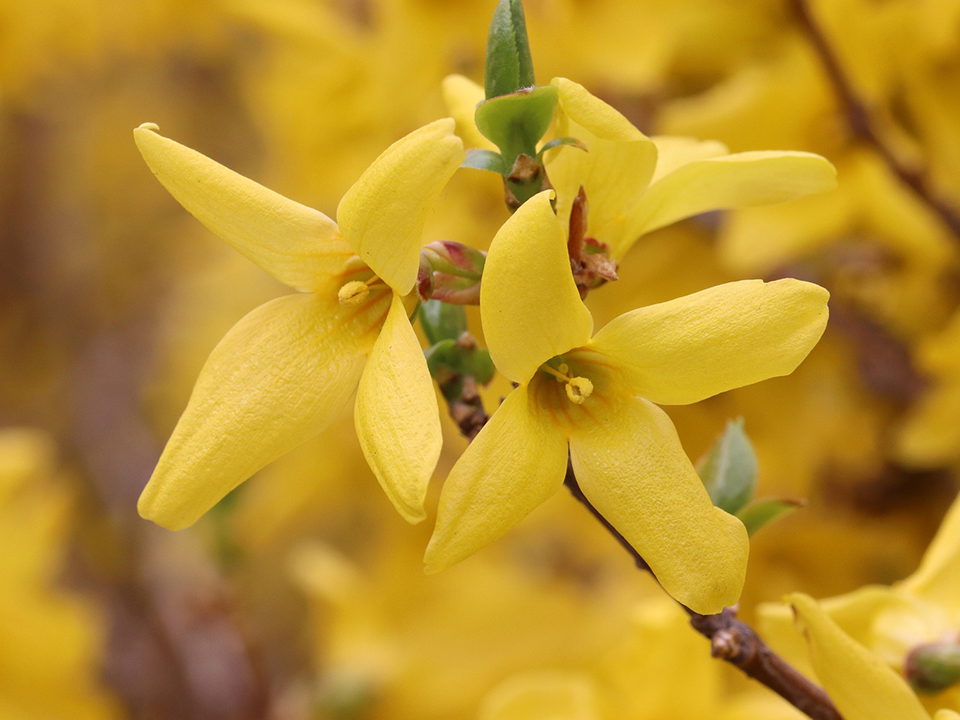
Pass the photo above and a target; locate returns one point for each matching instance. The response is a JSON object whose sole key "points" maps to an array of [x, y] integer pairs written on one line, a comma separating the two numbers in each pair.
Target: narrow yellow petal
{"points": [[946, 715], [859, 683], [614, 171], [297, 245], [461, 96], [383, 214], [397, 415], [675, 152], [691, 348], [278, 378], [516, 462], [730, 181], [938, 578], [855, 612], [529, 304], [631, 466]]}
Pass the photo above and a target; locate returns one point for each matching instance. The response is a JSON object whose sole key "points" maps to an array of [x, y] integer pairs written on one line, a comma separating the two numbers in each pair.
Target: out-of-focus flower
{"points": [[49, 640], [284, 372], [859, 683], [930, 436], [658, 671], [892, 621], [596, 395]]}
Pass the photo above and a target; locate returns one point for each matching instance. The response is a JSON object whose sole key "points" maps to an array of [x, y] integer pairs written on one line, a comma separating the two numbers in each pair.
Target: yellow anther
{"points": [[563, 369], [579, 389], [353, 293]]}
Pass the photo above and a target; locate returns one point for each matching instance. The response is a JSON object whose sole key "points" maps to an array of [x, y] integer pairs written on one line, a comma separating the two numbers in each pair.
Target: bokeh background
{"points": [[301, 595]]}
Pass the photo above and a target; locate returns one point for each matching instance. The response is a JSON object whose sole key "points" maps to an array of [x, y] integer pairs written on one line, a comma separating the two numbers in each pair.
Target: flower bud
{"points": [[933, 667], [451, 272]]}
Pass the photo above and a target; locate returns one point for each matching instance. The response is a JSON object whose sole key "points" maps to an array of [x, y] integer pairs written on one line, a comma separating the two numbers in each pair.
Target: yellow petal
{"points": [[675, 152], [731, 181], [855, 612], [859, 683], [543, 695], [727, 336], [383, 214], [516, 462], [461, 96], [397, 415], [946, 715], [529, 304], [615, 170], [631, 466], [278, 378], [938, 578], [296, 244]]}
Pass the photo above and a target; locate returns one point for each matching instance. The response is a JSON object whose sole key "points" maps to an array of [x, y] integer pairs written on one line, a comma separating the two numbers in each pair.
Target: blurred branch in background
{"points": [[867, 126]]}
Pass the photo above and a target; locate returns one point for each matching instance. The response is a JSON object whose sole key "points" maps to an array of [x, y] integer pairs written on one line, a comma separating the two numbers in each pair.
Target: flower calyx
{"points": [[590, 259], [451, 273], [934, 667]]}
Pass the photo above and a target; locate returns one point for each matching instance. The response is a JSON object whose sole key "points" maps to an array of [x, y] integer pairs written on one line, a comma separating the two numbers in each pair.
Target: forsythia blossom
{"points": [[636, 184], [858, 682], [892, 621], [285, 371], [595, 396]]}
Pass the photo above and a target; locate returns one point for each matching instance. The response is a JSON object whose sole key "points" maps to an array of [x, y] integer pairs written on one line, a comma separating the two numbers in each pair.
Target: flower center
{"points": [[356, 291], [578, 388]]}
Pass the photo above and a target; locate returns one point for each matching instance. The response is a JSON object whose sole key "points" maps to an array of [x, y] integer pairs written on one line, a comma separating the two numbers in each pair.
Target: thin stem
{"points": [[865, 127]]}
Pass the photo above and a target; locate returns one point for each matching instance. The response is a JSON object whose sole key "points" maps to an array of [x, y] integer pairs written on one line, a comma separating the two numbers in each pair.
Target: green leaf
{"points": [[473, 361], [729, 469], [516, 122], [485, 160], [763, 512], [442, 321], [509, 63], [560, 142]]}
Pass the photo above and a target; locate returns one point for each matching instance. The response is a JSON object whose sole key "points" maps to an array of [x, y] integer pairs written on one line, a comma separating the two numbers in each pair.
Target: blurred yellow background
{"points": [[302, 595]]}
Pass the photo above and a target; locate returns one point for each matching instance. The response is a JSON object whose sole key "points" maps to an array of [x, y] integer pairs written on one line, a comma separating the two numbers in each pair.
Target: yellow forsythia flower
{"points": [[596, 396], [891, 621], [858, 682], [285, 371], [636, 184]]}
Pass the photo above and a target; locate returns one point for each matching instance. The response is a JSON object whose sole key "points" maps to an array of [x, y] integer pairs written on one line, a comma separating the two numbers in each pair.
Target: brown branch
{"points": [[864, 126], [731, 639]]}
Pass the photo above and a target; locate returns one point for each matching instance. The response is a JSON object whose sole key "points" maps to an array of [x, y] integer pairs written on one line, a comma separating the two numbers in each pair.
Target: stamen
{"points": [[353, 293], [557, 374], [579, 389]]}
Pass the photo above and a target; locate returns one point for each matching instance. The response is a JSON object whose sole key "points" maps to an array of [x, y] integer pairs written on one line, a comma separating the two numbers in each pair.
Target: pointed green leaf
{"points": [[560, 142], [485, 160], [442, 321], [729, 469], [516, 122], [509, 63], [763, 512]]}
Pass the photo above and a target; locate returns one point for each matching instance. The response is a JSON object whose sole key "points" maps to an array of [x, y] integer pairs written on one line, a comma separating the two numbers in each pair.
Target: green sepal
{"points": [[933, 667], [761, 513], [561, 142], [448, 357], [485, 160], [442, 321], [729, 469], [516, 122], [509, 63]]}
